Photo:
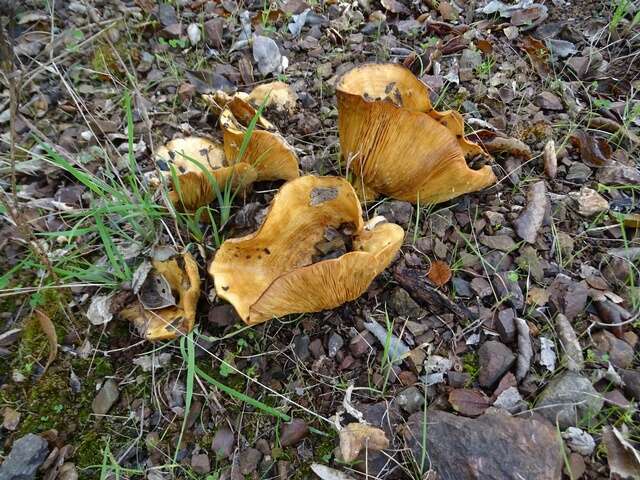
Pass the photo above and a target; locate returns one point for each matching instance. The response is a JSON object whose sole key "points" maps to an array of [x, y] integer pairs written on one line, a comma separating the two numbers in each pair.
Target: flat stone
{"points": [[631, 379], [508, 289], [410, 400], [506, 325], [107, 396], [578, 172], [504, 243], [293, 431], [396, 211], [568, 399], [495, 360], [403, 305], [489, 447], [335, 343], [548, 101], [620, 353], [26, 455]]}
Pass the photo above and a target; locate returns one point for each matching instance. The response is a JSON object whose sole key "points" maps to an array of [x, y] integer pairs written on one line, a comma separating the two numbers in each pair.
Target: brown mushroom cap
{"points": [[396, 144], [271, 272], [200, 167], [267, 152], [181, 274]]}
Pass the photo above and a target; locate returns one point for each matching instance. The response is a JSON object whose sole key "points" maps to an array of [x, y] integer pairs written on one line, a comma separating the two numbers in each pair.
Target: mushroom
{"points": [[199, 165], [397, 145], [271, 273], [167, 299]]}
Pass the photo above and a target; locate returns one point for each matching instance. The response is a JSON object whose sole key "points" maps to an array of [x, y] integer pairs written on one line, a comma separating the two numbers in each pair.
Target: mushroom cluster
{"points": [[313, 251]]}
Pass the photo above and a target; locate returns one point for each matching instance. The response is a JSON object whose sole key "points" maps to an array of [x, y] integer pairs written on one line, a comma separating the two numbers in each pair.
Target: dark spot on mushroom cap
{"points": [[225, 288], [162, 166], [267, 251], [320, 195]]}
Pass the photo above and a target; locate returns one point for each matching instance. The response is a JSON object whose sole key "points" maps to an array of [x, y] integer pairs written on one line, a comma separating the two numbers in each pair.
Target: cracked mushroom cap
{"points": [[395, 142], [199, 166], [271, 273], [180, 275]]}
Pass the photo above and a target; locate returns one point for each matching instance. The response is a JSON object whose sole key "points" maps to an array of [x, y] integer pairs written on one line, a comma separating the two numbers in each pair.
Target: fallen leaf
{"points": [[327, 473], [494, 143], [623, 458], [46, 325], [470, 403], [530, 220], [356, 436], [538, 54], [537, 296], [439, 273], [547, 354], [594, 151]]}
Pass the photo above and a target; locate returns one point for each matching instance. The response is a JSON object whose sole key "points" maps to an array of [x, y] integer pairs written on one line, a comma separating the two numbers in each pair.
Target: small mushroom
{"points": [[199, 166], [180, 275], [271, 273], [396, 144], [278, 95]]}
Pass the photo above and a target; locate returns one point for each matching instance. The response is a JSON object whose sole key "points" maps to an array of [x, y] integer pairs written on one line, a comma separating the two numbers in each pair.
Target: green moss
{"points": [[471, 365]]}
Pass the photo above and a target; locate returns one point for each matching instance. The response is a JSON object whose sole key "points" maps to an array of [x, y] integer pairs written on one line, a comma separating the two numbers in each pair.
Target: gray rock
{"points": [[301, 347], [267, 54], [470, 58], [508, 288], [461, 286], [504, 243], [548, 101], [511, 401], [410, 400], [572, 357], [579, 441], [578, 172], [481, 287], [495, 360], [506, 325], [396, 211], [620, 353], [107, 396], [404, 306], [568, 399], [631, 379], [489, 447], [27, 454], [335, 343]]}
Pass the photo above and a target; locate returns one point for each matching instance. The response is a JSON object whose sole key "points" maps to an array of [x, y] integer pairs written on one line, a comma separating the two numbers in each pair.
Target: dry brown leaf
{"points": [[538, 53], [396, 144], [46, 325], [594, 151], [439, 273], [271, 273], [538, 296], [181, 274], [497, 143], [358, 436], [470, 403], [623, 458]]}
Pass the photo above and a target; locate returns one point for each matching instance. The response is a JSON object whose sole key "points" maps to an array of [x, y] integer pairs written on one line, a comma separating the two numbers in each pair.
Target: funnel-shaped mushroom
{"points": [[199, 166], [271, 273], [396, 144], [160, 314]]}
